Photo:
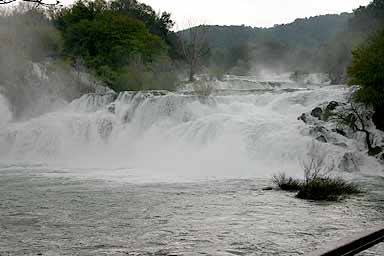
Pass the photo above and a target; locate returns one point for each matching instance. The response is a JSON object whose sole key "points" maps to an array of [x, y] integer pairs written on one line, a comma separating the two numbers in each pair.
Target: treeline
{"points": [[291, 47], [125, 43], [317, 44]]}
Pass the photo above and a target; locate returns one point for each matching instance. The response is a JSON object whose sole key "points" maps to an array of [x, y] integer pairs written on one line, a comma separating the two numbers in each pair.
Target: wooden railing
{"points": [[359, 242]]}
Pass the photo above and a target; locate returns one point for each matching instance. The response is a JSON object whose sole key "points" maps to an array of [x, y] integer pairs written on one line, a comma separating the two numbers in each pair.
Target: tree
{"points": [[194, 44], [356, 117], [106, 39], [367, 71], [39, 2]]}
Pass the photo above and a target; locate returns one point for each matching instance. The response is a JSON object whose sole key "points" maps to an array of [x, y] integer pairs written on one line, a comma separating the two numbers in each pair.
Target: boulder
{"points": [[322, 138], [303, 118], [111, 108], [340, 144], [332, 106], [318, 130], [317, 112], [340, 131]]}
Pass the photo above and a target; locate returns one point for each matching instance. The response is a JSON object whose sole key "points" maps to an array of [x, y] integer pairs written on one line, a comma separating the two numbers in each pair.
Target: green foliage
{"points": [[107, 36], [318, 188], [328, 189], [368, 19], [157, 75], [317, 183], [287, 184], [367, 70]]}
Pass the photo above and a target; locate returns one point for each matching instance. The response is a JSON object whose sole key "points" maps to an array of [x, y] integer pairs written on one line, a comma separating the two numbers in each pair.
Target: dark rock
{"points": [[303, 118], [317, 112], [375, 151], [349, 163], [378, 118], [340, 144], [318, 130], [332, 106], [267, 188], [111, 108], [340, 131], [322, 138]]}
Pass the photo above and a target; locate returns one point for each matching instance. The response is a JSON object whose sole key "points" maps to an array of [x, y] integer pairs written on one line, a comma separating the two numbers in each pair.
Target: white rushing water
{"points": [[163, 135], [158, 173], [5, 112]]}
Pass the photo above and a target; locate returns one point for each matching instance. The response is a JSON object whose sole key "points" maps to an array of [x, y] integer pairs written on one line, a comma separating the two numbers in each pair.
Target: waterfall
{"points": [[5, 113], [253, 134]]}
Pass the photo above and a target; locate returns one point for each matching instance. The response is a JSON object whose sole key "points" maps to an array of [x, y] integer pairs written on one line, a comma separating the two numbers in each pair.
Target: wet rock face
{"points": [[322, 138], [349, 163], [303, 118], [332, 106], [317, 112], [318, 130], [340, 131]]}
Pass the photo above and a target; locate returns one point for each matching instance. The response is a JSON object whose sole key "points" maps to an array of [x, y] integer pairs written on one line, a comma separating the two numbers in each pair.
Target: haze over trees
{"points": [[316, 44]]}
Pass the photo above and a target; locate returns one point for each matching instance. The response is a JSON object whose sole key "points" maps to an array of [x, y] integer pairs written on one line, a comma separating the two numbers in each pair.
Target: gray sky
{"points": [[255, 13], [259, 13]]}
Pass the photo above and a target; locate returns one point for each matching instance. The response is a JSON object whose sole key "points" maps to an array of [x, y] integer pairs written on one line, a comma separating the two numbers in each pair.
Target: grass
{"points": [[319, 189], [287, 184], [327, 189]]}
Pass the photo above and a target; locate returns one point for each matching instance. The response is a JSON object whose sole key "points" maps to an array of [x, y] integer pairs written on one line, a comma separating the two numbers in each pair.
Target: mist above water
{"points": [[160, 134], [5, 113]]}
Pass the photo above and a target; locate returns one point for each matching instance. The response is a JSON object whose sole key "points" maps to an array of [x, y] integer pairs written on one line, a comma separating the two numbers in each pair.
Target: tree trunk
{"points": [[368, 139], [192, 73]]}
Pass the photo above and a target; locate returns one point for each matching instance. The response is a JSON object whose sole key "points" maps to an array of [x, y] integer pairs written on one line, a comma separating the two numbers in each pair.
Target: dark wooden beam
{"points": [[358, 243]]}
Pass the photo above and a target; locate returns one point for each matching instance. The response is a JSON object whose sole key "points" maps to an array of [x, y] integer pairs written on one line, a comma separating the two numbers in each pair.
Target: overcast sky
{"points": [[255, 13]]}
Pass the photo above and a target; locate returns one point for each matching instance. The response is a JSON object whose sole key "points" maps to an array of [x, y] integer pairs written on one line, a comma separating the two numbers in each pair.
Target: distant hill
{"points": [[287, 47], [308, 32]]}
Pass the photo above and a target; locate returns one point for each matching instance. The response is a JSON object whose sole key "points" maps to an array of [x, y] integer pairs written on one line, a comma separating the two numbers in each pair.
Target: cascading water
{"points": [[159, 173], [5, 113], [170, 134]]}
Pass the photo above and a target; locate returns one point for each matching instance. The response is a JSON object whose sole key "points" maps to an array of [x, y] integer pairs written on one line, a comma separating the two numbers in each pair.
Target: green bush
{"points": [[328, 189], [109, 36], [157, 75], [319, 189], [317, 183], [287, 184]]}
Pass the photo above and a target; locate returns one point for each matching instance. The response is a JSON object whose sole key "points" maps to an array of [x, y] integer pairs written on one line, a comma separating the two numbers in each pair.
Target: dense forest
{"points": [[123, 43]]}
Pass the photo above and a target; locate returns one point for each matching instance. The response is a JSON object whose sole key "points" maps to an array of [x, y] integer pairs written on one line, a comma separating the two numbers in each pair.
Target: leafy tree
{"points": [[107, 38], [367, 71], [356, 117]]}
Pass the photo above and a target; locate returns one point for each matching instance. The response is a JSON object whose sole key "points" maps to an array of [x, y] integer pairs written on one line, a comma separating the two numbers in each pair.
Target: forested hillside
{"points": [[316, 44]]}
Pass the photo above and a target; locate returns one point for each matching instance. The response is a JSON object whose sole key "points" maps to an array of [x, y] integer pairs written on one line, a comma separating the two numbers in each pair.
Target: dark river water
{"points": [[45, 214]]}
